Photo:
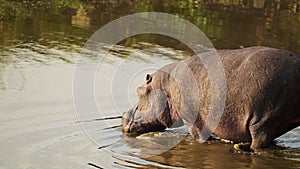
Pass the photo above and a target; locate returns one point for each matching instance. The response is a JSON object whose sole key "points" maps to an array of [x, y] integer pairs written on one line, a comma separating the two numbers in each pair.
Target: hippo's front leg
{"points": [[194, 132], [199, 132], [245, 147]]}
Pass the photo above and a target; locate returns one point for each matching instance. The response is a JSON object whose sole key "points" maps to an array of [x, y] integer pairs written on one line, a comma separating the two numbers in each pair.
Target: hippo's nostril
{"points": [[125, 124], [126, 129]]}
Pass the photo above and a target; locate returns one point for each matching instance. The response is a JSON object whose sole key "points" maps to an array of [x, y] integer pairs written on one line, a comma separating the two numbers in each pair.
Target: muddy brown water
{"points": [[40, 45]]}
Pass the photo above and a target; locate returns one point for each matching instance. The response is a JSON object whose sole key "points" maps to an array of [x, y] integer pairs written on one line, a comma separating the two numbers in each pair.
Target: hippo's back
{"points": [[261, 73], [263, 85]]}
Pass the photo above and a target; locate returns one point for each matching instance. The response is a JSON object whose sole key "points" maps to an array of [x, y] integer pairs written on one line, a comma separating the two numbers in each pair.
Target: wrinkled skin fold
{"points": [[262, 100]]}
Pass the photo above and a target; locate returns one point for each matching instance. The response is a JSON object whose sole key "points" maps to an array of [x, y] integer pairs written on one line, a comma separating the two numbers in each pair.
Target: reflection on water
{"points": [[229, 24], [40, 43], [81, 19]]}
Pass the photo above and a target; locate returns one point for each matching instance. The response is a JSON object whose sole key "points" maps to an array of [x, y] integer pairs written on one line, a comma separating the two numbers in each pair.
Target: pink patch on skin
{"points": [[173, 112], [148, 87]]}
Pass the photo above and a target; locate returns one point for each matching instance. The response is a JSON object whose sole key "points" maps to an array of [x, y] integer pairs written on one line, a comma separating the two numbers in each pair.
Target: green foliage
{"points": [[229, 24]]}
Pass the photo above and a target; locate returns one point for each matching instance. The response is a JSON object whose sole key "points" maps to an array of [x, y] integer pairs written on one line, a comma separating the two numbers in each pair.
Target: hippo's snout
{"points": [[126, 127], [127, 119], [134, 122]]}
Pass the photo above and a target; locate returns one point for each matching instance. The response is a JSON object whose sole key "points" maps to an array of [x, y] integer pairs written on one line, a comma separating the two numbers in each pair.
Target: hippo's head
{"points": [[152, 112]]}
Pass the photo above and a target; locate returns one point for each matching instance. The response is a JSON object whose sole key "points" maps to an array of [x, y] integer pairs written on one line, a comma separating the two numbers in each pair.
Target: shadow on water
{"points": [[155, 152]]}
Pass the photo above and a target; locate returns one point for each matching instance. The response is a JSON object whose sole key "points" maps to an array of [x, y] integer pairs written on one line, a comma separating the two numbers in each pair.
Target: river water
{"points": [[41, 42]]}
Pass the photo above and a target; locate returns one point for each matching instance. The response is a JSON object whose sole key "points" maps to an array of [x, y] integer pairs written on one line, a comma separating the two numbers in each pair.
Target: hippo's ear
{"points": [[148, 79]]}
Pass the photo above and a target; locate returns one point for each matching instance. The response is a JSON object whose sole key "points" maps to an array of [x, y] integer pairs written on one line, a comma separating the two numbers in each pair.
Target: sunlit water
{"points": [[39, 124]]}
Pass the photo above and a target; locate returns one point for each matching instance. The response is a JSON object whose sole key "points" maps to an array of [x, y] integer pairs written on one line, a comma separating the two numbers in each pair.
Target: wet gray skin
{"points": [[152, 113], [262, 101]]}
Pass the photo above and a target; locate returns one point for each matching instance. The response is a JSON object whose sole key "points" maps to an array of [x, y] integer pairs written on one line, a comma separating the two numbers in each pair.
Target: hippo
{"points": [[262, 97]]}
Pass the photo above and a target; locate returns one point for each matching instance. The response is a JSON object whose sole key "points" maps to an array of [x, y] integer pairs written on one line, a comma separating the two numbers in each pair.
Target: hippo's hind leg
{"points": [[262, 136]]}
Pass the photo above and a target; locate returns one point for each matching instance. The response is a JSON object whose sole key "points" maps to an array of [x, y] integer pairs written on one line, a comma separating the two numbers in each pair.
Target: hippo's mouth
{"points": [[136, 121]]}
